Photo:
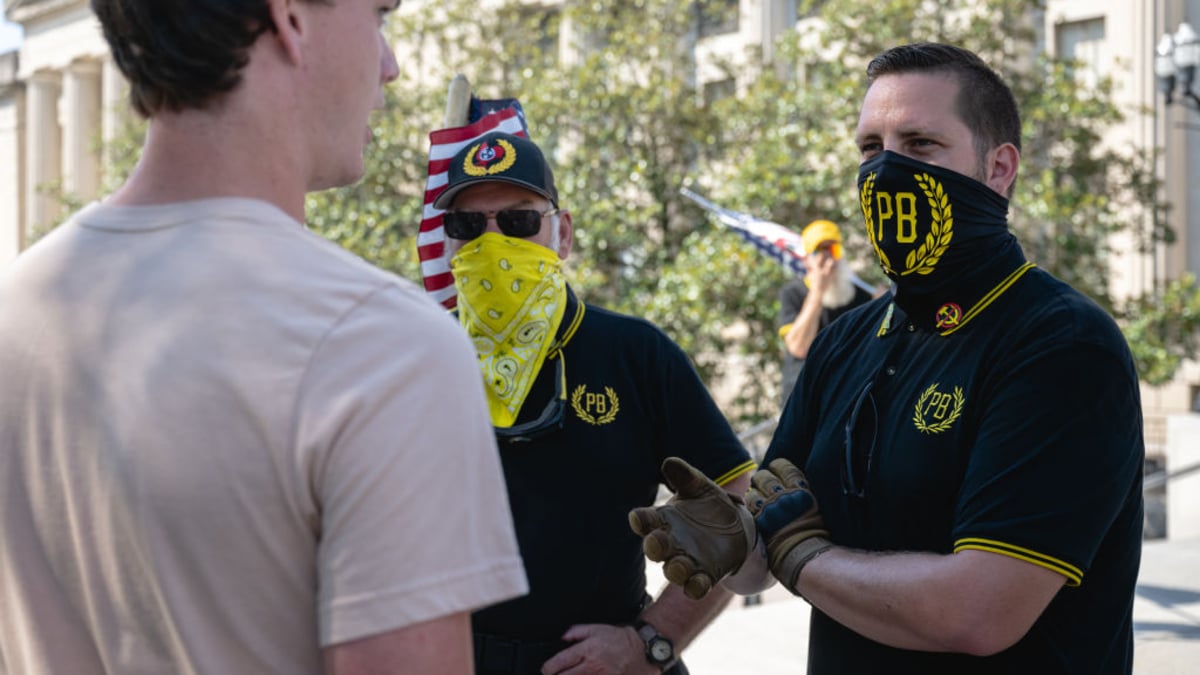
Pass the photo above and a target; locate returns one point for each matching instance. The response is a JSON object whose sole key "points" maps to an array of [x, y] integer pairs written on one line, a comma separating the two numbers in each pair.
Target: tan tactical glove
{"points": [[785, 512], [701, 534]]}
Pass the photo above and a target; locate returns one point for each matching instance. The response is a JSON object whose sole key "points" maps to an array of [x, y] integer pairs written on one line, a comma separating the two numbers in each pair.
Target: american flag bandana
{"points": [[486, 115]]}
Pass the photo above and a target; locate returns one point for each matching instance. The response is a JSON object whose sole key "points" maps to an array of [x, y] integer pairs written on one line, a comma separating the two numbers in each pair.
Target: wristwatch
{"points": [[660, 651]]}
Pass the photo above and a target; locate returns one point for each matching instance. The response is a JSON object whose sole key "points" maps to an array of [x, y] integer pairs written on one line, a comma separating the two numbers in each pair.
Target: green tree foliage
{"points": [[627, 124], [1163, 331]]}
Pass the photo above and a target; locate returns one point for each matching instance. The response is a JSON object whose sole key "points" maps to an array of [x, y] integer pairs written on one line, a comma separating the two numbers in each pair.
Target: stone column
{"points": [[79, 114], [42, 153], [114, 105], [12, 166]]}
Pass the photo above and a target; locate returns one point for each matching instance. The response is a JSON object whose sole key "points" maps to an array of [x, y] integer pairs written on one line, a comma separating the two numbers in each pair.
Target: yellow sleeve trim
{"points": [[728, 476], [783, 330], [1073, 574]]}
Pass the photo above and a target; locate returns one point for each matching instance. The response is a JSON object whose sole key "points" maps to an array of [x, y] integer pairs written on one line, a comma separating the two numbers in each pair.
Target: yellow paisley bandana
{"points": [[511, 300]]}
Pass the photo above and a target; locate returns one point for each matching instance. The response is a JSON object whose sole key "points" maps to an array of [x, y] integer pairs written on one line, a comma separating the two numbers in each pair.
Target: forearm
{"points": [[804, 328], [969, 603], [680, 618], [439, 646]]}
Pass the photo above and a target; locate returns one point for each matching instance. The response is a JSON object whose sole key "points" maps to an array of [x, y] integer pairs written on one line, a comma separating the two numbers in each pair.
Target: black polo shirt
{"points": [[1017, 431], [633, 399]]}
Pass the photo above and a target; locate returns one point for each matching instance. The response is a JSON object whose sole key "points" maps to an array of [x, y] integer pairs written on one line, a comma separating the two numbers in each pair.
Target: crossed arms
{"points": [[972, 602]]}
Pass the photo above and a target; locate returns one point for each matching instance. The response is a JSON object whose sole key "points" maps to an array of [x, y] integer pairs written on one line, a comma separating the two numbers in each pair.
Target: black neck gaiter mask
{"points": [[929, 226]]}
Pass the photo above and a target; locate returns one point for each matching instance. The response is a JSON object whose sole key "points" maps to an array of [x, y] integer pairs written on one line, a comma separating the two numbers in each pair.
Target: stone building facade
{"points": [[61, 97]]}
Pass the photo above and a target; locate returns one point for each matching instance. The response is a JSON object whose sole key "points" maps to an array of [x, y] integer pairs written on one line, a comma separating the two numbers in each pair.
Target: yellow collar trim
{"points": [[986, 300], [570, 331], [886, 325], [991, 296]]}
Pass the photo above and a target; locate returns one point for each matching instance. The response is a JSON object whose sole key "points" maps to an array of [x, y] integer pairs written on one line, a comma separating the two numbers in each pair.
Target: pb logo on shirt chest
{"points": [[595, 407], [936, 411]]}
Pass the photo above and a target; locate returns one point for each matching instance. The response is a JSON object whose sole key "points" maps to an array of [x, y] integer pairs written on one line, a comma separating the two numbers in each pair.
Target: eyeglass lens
{"points": [[512, 222]]}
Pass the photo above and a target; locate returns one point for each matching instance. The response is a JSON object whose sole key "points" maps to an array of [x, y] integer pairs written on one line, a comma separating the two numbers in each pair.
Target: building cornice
{"points": [[27, 11]]}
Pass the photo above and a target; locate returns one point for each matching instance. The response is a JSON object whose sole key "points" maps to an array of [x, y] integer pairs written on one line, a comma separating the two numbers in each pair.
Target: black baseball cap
{"points": [[499, 157]]}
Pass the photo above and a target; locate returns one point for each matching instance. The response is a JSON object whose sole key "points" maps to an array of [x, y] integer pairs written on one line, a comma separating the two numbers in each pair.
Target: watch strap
{"points": [[650, 635]]}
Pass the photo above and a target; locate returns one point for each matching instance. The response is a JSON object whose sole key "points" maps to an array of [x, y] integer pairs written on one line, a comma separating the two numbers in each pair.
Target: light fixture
{"points": [[1175, 60]]}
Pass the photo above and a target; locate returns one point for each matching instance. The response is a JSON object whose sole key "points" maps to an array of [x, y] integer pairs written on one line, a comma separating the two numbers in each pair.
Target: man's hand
{"points": [[785, 512], [601, 649], [701, 534], [820, 271]]}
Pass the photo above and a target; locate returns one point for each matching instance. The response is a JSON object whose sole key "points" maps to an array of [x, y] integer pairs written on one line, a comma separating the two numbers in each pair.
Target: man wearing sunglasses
{"points": [[579, 393], [973, 441]]}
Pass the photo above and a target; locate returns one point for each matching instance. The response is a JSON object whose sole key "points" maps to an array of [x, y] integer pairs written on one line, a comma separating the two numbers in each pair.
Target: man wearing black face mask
{"points": [[955, 484]]}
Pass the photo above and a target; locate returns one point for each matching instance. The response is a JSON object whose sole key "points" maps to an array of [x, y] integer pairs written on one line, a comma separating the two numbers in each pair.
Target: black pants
{"points": [[495, 655]]}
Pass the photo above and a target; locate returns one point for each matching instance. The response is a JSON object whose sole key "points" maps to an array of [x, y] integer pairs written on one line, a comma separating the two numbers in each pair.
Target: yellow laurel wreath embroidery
{"points": [[505, 163], [613, 407], [868, 190], [919, 419], [941, 231]]}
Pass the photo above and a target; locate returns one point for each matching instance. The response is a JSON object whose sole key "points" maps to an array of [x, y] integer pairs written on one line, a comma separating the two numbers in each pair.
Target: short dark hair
{"points": [[181, 54], [985, 103]]}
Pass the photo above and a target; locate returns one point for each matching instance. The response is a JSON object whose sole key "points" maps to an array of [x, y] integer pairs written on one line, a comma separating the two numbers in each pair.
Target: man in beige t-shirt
{"points": [[226, 445]]}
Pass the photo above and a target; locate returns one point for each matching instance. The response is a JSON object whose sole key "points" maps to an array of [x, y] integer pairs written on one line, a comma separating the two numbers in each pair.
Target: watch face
{"points": [[661, 650]]}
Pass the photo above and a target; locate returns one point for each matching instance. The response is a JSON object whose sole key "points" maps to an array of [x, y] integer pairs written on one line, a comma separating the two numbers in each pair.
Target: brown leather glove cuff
{"points": [[787, 570]]}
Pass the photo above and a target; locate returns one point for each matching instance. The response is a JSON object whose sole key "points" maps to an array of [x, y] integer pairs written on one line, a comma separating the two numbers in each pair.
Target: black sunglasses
{"points": [[851, 485], [552, 415], [512, 222]]}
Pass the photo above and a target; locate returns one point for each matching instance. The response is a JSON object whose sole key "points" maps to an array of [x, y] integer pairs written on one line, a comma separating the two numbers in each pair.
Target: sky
{"points": [[10, 33]]}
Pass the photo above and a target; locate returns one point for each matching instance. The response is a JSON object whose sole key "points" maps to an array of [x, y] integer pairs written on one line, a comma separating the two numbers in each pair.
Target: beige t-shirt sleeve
{"points": [[403, 466]]}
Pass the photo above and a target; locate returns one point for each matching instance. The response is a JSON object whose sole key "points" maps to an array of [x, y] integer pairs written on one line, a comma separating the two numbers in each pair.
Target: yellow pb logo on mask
{"points": [[897, 213]]}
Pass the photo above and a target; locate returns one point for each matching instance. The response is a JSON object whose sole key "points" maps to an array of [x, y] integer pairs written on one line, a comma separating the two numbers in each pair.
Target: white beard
{"points": [[841, 291]]}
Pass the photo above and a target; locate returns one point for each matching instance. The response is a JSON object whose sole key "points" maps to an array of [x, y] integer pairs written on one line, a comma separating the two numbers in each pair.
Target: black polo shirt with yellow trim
{"points": [[1004, 417], [632, 400]]}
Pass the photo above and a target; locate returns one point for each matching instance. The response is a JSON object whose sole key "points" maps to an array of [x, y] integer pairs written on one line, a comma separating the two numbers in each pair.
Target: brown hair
{"points": [[985, 103], [180, 54]]}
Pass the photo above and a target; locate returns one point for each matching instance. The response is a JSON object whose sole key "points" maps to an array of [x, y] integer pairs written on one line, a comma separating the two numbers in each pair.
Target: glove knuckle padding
{"points": [[786, 514]]}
